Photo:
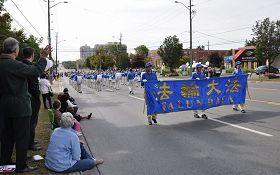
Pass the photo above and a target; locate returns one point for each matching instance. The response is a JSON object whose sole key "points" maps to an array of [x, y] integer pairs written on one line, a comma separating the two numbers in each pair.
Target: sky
{"points": [[226, 24]]}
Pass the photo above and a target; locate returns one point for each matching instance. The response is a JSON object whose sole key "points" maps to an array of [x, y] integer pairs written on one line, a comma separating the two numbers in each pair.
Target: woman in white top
{"points": [[45, 89]]}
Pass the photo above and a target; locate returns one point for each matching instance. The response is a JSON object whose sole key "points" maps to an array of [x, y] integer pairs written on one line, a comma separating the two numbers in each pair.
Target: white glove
{"points": [[49, 64], [145, 81], [207, 78], [197, 78]]}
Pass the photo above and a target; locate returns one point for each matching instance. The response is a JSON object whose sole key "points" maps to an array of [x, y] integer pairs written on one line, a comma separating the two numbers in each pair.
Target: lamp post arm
{"points": [[182, 4], [58, 3]]}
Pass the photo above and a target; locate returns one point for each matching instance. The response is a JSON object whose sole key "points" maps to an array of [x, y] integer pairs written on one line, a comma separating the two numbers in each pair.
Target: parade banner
{"points": [[182, 95]]}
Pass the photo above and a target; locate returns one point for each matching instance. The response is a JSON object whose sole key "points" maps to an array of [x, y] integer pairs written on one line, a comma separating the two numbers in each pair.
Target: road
{"points": [[228, 143]]}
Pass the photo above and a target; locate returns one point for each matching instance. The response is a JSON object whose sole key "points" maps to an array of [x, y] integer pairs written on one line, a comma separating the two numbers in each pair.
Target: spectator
{"points": [[57, 117], [45, 88], [77, 116], [15, 103], [33, 89], [57, 113], [66, 101], [65, 153]]}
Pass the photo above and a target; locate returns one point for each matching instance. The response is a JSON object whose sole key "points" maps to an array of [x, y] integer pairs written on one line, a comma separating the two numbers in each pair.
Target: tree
{"points": [[24, 40], [266, 39], [171, 52], [122, 61], [142, 50], [119, 53], [148, 59], [215, 59], [100, 60], [2, 4], [69, 64], [183, 60]]}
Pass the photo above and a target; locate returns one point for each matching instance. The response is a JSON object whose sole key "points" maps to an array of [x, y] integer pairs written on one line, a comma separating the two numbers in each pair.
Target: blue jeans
{"points": [[87, 162]]}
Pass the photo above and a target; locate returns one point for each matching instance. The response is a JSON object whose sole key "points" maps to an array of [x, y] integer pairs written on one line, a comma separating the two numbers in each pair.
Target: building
{"points": [[156, 59], [247, 56], [85, 51], [198, 55]]}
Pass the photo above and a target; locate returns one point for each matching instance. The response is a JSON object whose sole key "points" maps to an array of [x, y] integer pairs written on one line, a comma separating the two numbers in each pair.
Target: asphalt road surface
{"points": [[228, 143]]}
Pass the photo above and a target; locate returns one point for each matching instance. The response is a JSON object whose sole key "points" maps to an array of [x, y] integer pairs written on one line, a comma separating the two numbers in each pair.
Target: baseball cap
{"points": [[149, 64], [198, 65], [238, 62]]}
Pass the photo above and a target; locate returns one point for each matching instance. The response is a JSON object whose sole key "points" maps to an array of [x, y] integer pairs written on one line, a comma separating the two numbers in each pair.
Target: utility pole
{"points": [[191, 16], [208, 46], [49, 29], [56, 65], [120, 39], [191, 54]]}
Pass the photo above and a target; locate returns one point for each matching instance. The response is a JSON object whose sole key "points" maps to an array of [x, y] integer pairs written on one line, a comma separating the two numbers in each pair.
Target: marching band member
{"points": [[130, 79], [149, 76], [199, 75], [238, 71]]}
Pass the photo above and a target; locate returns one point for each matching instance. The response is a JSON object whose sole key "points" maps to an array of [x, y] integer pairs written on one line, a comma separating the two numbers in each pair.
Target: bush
{"points": [[248, 70], [229, 70], [173, 74]]}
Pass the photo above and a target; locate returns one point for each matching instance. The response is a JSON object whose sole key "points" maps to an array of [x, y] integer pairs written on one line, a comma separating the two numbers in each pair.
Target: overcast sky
{"points": [[225, 24]]}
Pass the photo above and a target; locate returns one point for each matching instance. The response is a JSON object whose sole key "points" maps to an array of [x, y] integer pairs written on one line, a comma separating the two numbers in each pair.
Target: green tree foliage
{"points": [[183, 60], [215, 60], [171, 52], [119, 53], [101, 60], [266, 39], [142, 50], [69, 64], [148, 59], [6, 31], [2, 4], [122, 61]]}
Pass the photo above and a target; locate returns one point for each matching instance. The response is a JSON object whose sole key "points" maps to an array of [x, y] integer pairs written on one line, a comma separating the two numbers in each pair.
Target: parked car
{"points": [[264, 69]]}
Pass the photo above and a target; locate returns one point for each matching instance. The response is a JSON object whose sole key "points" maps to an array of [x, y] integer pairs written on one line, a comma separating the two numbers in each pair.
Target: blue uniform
{"points": [[130, 75], [237, 72], [199, 75], [149, 76], [199, 113]]}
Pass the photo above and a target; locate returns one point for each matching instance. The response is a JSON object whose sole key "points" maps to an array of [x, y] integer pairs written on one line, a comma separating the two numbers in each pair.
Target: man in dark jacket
{"points": [[33, 89], [15, 102]]}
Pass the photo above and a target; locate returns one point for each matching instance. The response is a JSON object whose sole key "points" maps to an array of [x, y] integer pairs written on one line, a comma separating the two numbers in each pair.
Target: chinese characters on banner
{"points": [[181, 95]]}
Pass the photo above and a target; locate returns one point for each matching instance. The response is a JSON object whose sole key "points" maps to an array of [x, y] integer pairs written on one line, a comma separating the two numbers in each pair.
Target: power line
{"points": [[27, 19], [203, 2], [214, 36], [20, 25]]}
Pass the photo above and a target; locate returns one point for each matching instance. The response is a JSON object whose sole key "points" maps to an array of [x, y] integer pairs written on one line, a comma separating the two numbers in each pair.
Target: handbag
{"points": [[50, 92]]}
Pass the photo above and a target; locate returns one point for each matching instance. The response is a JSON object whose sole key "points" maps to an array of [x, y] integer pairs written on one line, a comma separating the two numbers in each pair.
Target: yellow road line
{"points": [[267, 102], [265, 89]]}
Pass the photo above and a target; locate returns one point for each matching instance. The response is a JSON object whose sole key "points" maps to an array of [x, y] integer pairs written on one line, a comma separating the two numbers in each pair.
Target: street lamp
{"points": [[56, 43], [190, 11], [49, 23]]}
